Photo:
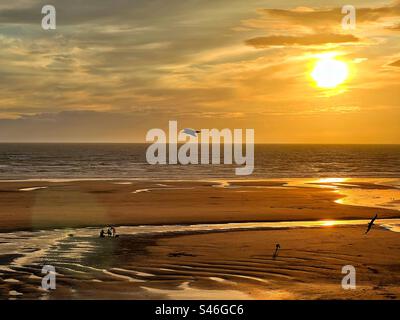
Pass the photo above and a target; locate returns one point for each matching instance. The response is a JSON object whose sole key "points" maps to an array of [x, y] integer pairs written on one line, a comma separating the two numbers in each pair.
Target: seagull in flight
{"points": [[191, 132], [371, 224]]}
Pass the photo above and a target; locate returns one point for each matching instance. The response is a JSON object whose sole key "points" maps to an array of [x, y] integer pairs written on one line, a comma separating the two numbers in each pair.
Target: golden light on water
{"points": [[329, 72]]}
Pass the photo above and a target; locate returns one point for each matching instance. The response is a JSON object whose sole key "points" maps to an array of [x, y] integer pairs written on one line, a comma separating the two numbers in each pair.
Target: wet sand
{"points": [[200, 264], [308, 265], [223, 265]]}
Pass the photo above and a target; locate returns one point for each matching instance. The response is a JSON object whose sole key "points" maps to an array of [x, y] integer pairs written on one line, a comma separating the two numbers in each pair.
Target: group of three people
{"points": [[111, 232]]}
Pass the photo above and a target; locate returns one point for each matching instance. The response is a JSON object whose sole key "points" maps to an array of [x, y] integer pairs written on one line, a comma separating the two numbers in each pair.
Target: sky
{"points": [[115, 69]]}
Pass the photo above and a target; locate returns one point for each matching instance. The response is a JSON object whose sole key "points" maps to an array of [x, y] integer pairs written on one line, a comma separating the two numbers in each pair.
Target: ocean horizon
{"points": [[19, 161]]}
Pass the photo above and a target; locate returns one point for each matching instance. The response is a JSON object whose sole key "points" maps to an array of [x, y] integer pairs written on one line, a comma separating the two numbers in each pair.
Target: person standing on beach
{"points": [[109, 233]]}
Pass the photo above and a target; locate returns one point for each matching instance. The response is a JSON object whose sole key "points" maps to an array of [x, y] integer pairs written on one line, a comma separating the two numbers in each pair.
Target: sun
{"points": [[329, 72]]}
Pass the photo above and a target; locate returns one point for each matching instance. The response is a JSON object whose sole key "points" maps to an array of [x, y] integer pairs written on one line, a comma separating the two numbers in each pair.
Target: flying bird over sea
{"points": [[191, 132], [371, 224]]}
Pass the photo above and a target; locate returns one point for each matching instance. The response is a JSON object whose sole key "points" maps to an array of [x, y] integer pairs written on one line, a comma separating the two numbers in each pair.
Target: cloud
{"points": [[74, 126], [334, 15], [307, 20], [113, 54], [307, 40], [72, 12], [395, 27], [134, 65], [395, 64]]}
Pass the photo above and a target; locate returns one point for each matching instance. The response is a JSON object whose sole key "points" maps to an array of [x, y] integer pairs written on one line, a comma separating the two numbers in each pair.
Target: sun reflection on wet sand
{"points": [[386, 199], [329, 223], [365, 192], [331, 180]]}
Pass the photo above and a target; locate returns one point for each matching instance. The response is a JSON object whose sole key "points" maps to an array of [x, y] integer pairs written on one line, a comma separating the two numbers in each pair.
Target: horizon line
{"points": [[257, 143]]}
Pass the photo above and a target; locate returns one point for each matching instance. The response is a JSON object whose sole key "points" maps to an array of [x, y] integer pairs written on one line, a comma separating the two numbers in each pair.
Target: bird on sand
{"points": [[371, 224], [278, 246]]}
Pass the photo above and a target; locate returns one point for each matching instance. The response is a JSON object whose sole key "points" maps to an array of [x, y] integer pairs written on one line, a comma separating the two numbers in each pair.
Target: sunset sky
{"points": [[115, 69]]}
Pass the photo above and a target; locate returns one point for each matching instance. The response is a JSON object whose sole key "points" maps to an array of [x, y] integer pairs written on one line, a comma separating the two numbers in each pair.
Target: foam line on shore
{"points": [[32, 189]]}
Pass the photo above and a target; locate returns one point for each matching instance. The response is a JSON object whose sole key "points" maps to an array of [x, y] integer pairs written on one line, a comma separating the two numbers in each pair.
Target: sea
{"points": [[128, 161]]}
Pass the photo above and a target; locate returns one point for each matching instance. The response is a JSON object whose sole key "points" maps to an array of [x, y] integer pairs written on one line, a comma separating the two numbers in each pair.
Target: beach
{"points": [[211, 150], [210, 239], [44, 204]]}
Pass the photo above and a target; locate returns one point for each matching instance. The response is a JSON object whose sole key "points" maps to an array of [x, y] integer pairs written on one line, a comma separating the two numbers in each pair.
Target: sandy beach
{"points": [[178, 239], [44, 204]]}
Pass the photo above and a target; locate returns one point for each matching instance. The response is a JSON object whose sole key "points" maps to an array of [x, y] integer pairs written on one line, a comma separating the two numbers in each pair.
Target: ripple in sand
{"points": [[14, 293], [141, 190], [122, 277], [185, 292], [220, 280], [160, 189], [12, 280], [137, 273]]}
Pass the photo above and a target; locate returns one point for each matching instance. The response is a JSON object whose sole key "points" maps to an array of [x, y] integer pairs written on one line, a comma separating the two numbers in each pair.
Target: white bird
{"points": [[191, 132]]}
